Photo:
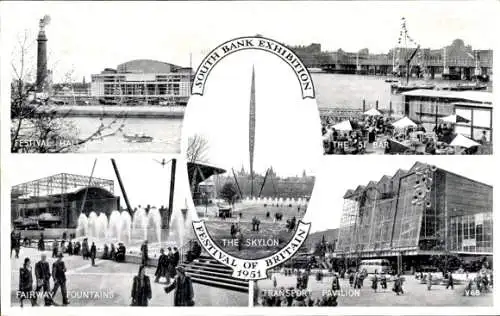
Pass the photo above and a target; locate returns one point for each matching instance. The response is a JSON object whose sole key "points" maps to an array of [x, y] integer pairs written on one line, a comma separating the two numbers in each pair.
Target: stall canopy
{"points": [[47, 217], [372, 112], [343, 126], [454, 119], [403, 123], [462, 141]]}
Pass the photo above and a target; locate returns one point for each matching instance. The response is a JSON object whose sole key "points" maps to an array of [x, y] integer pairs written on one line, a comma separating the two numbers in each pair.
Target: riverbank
{"points": [[114, 111]]}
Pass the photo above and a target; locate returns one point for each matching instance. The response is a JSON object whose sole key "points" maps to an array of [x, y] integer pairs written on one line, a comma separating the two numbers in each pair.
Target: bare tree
{"points": [[35, 126], [197, 149]]}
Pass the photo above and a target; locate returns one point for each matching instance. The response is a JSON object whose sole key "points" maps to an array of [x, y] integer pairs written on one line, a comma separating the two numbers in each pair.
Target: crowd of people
{"points": [[43, 275], [299, 296], [39, 287], [413, 139]]}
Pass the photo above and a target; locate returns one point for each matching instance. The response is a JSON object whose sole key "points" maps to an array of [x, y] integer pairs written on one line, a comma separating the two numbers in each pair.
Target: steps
{"points": [[207, 271]]}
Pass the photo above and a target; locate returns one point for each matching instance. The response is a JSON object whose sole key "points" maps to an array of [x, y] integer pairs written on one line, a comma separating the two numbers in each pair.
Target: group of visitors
{"points": [[114, 253], [42, 284], [182, 286], [167, 263]]}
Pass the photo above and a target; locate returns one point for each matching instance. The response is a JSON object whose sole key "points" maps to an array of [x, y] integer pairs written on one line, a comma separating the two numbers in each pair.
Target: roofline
{"points": [[410, 171]]}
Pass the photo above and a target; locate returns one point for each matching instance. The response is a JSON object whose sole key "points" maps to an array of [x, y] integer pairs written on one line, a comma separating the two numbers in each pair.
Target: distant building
{"points": [[149, 81], [388, 219], [56, 201]]}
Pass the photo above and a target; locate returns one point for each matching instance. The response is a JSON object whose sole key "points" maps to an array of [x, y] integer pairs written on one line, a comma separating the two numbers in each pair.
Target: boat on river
{"points": [[398, 88], [138, 138], [476, 86]]}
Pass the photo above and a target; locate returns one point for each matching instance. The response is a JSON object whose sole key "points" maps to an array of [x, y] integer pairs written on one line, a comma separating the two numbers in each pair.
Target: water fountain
{"points": [[132, 231]]}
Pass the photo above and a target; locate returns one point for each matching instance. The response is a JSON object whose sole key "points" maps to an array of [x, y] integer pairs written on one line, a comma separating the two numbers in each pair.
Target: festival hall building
{"points": [[151, 81], [56, 201], [417, 214]]}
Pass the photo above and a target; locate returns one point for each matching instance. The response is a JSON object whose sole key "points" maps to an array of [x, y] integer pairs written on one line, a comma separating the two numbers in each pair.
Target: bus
{"points": [[375, 265]]}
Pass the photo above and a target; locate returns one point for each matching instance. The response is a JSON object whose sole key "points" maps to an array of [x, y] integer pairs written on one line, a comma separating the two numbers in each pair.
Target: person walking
{"points": [[42, 275], [429, 281], [398, 285], [161, 269], [26, 283], [55, 249], [144, 253], [41, 243], [85, 249], [141, 288], [177, 257], [450, 280], [383, 281], [375, 282], [183, 286], [93, 253], [59, 276]]}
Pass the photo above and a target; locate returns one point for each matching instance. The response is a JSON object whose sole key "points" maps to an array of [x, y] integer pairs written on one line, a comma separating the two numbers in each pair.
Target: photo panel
{"points": [[109, 231], [415, 232]]}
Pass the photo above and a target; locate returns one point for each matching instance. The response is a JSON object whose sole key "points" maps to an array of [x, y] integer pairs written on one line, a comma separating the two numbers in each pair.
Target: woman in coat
{"points": [[141, 288], [26, 283], [161, 269], [429, 281], [375, 282], [183, 295]]}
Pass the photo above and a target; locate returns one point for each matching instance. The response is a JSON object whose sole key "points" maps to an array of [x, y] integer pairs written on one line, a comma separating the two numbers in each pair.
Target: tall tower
{"points": [[251, 131], [41, 63]]}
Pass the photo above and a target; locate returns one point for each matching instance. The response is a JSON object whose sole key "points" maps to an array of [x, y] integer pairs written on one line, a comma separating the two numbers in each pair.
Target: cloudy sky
{"points": [[336, 175], [88, 36]]}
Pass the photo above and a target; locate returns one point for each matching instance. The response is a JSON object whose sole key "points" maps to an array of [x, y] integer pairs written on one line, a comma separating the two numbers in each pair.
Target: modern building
{"points": [[144, 80], [428, 106], [414, 215], [56, 201]]}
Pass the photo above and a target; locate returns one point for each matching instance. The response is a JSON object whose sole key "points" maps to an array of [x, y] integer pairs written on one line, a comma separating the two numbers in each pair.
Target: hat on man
{"points": [[181, 269]]}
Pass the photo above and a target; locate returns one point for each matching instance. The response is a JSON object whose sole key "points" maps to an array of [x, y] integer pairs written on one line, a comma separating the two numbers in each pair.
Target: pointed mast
{"points": [[251, 125]]}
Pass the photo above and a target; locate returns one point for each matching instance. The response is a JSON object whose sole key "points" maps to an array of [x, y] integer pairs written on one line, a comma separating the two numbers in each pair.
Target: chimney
{"points": [[41, 64]]}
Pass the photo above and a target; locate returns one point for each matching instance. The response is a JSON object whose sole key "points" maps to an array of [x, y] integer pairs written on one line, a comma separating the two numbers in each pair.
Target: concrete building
{"points": [[143, 80], [427, 106], [56, 201], [417, 214]]}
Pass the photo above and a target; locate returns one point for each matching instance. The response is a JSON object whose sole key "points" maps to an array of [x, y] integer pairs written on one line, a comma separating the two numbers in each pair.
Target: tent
{"points": [[372, 112], [454, 119], [462, 141], [343, 126], [403, 123]]}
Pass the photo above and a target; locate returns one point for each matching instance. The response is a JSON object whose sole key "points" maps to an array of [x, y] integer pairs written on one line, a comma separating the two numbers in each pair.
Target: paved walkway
{"points": [[416, 294], [109, 284]]}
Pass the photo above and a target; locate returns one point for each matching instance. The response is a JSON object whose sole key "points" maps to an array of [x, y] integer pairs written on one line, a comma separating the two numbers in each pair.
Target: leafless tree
{"points": [[197, 149], [36, 127]]}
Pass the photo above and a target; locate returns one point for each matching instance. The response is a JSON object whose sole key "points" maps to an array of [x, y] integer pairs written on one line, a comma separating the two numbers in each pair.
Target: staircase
{"points": [[207, 271]]}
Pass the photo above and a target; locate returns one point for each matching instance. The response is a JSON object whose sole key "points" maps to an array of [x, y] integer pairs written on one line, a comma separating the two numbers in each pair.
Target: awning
{"points": [[403, 123], [372, 112], [454, 119], [47, 217], [462, 141], [343, 126]]}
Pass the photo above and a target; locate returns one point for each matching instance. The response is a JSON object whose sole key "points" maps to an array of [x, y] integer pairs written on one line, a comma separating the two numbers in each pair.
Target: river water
{"points": [[165, 132], [332, 91]]}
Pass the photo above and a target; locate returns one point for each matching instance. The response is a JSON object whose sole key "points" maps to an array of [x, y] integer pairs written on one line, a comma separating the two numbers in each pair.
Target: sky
{"points": [[86, 37], [287, 131], [145, 180], [336, 175]]}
